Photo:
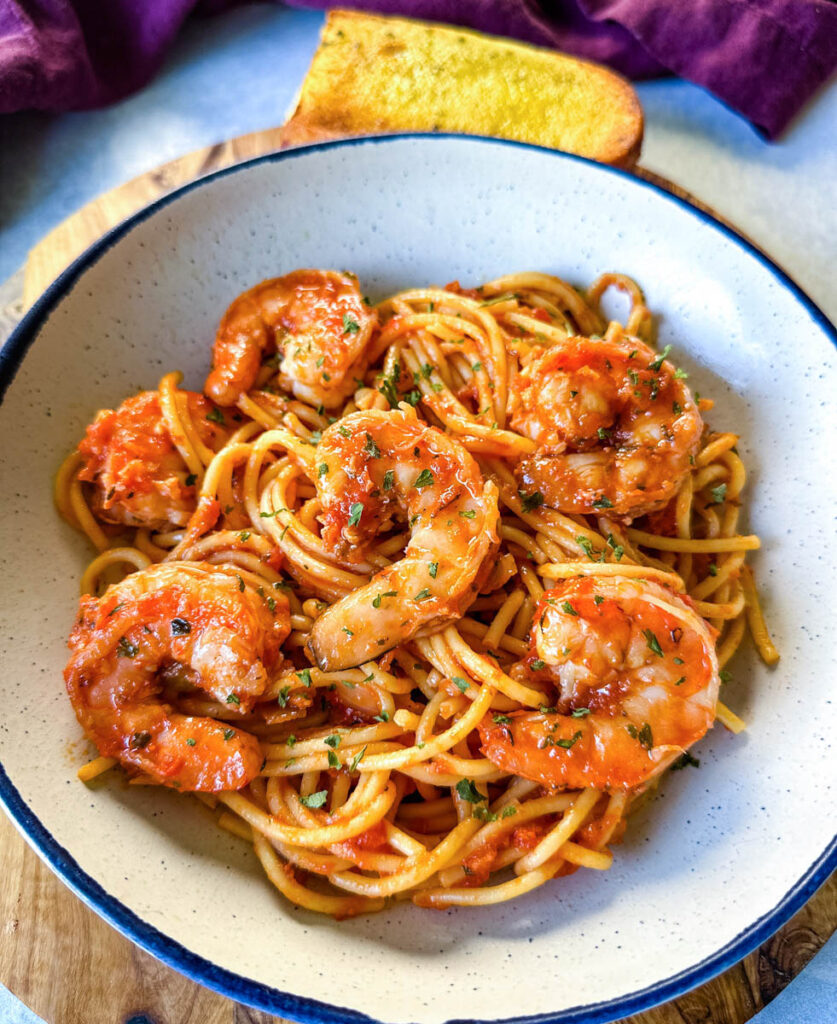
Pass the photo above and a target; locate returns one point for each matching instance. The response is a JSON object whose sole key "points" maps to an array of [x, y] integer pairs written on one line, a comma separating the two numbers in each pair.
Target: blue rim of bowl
{"points": [[257, 994]]}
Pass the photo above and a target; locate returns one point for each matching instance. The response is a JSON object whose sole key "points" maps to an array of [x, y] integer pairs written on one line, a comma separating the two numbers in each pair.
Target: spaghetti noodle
{"points": [[421, 584]]}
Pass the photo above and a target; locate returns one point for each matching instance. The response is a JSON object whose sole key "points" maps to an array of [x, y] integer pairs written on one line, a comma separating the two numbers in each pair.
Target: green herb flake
{"points": [[228, 734], [389, 480], [383, 717], [658, 362], [538, 664], [509, 812], [355, 512], [566, 744], [350, 326], [125, 649], [357, 759], [644, 736], [191, 479], [468, 791], [460, 683], [424, 479], [371, 448], [568, 608], [304, 676], [684, 761], [502, 719], [232, 699], [433, 568], [216, 416], [529, 502], [422, 595], [653, 642], [580, 712], [718, 493], [469, 514], [190, 742], [314, 800]]}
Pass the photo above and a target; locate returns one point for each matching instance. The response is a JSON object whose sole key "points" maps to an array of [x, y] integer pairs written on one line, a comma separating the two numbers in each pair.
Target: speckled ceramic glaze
{"points": [[720, 858]]}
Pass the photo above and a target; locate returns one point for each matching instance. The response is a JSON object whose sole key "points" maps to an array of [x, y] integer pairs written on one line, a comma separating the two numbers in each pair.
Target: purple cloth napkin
{"points": [[764, 58]]}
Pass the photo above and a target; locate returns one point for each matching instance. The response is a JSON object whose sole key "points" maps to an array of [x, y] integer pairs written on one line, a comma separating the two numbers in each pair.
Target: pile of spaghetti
{"points": [[419, 596]]}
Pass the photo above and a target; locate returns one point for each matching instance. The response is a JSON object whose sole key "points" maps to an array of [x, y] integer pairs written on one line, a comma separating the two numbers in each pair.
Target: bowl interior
{"points": [[718, 847]]}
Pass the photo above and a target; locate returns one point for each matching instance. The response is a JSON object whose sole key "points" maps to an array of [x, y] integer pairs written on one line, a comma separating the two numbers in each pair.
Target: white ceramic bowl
{"points": [[714, 864]]}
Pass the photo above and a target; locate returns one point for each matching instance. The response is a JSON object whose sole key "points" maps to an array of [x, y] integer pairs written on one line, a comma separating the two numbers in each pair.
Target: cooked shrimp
{"points": [[636, 681], [616, 427], [315, 320], [182, 623], [372, 466], [139, 477]]}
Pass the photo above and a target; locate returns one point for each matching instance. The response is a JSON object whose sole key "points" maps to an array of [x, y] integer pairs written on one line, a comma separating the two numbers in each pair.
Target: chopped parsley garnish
{"points": [[357, 759], [350, 326], [724, 676], [376, 601], [216, 416], [538, 664], [304, 676], [617, 549], [468, 791], [682, 375], [658, 362], [509, 812], [232, 699], [314, 800], [469, 514], [597, 599], [371, 448], [389, 480], [125, 649], [115, 609], [180, 627], [322, 469], [355, 512], [228, 734], [580, 712], [333, 740], [347, 631], [644, 736], [677, 661], [244, 535], [587, 547], [529, 502], [684, 761], [344, 431], [283, 696], [460, 683], [383, 717], [653, 642], [566, 744], [190, 742], [240, 583], [433, 568], [602, 502], [568, 608], [424, 479], [422, 595], [502, 719], [603, 434], [718, 493]]}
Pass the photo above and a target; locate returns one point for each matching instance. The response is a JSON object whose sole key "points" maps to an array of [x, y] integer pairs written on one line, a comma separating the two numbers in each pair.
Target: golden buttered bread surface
{"points": [[378, 75]]}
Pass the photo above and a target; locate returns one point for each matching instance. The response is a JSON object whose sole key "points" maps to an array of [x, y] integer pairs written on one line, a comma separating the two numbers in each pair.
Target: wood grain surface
{"points": [[70, 967]]}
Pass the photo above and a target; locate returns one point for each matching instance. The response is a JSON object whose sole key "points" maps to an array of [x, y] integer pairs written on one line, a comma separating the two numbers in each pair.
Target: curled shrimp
{"points": [[374, 466], [180, 625], [616, 427], [636, 681], [138, 476], [316, 321]]}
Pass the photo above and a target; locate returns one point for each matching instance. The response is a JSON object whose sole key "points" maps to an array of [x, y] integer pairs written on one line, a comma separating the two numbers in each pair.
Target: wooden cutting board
{"points": [[70, 967]]}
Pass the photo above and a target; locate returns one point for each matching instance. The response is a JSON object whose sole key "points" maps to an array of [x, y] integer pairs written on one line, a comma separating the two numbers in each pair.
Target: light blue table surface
{"points": [[239, 73]]}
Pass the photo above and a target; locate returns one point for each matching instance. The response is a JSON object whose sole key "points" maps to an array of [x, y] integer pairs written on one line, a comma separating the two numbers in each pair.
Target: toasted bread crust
{"points": [[378, 75]]}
